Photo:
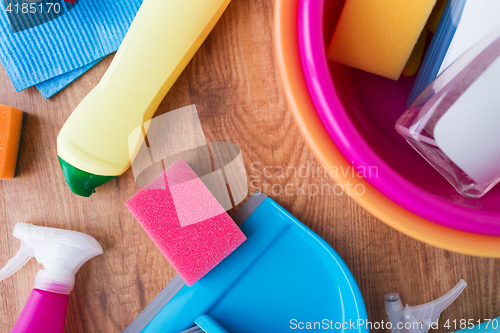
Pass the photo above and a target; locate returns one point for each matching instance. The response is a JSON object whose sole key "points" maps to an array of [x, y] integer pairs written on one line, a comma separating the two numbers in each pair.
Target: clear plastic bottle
{"points": [[455, 122]]}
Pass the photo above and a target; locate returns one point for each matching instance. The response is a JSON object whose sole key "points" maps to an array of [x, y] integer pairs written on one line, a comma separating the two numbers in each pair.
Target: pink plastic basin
{"points": [[359, 111]]}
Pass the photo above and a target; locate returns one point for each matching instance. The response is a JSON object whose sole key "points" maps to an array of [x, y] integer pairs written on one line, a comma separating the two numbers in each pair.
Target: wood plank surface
{"points": [[233, 81]]}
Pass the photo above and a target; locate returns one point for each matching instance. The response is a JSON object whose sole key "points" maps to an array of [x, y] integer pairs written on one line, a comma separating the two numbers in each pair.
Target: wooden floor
{"points": [[233, 81]]}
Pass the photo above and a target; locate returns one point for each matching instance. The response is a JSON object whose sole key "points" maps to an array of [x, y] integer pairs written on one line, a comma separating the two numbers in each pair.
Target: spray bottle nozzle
{"points": [[420, 318], [61, 252]]}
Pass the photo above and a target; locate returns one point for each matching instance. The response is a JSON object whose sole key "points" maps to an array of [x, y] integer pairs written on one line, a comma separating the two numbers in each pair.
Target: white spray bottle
{"points": [[62, 253], [420, 318]]}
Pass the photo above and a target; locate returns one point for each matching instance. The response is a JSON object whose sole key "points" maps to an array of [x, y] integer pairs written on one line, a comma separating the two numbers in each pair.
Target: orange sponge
{"points": [[11, 122], [378, 36]]}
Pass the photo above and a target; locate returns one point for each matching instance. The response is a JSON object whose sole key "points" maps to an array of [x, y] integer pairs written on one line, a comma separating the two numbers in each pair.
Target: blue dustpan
{"points": [[284, 277]]}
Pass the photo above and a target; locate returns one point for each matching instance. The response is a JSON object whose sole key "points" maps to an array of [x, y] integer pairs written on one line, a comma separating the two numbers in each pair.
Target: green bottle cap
{"points": [[81, 182]]}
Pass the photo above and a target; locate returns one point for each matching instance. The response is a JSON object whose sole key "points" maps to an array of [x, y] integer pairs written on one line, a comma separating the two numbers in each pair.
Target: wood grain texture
{"points": [[234, 83]]}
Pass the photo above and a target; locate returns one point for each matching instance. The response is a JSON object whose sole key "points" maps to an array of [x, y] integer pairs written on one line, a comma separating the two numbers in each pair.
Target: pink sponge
{"points": [[185, 221]]}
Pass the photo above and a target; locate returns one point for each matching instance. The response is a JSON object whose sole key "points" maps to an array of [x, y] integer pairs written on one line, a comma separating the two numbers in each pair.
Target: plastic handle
{"points": [[206, 324], [209, 325], [432, 310], [17, 262]]}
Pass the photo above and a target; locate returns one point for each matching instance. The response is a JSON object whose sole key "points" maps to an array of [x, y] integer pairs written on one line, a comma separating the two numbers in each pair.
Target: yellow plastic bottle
{"points": [[93, 144]]}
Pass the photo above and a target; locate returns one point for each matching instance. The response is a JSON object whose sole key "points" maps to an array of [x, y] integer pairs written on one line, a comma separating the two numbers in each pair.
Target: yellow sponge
{"points": [[436, 14], [378, 36], [413, 64]]}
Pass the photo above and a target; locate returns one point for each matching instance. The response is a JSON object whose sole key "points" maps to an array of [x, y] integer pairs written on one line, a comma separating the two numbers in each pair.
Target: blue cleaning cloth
{"points": [[52, 86], [45, 46]]}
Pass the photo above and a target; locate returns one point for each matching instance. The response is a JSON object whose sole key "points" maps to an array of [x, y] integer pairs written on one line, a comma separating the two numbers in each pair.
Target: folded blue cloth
{"points": [[52, 86], [60, 45]]}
